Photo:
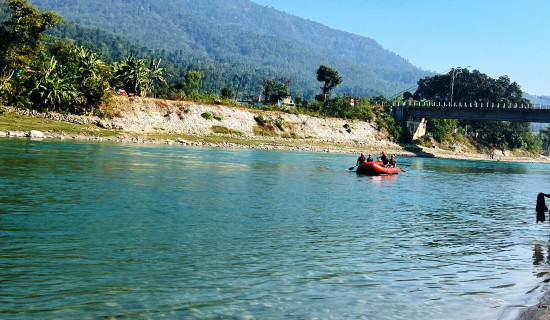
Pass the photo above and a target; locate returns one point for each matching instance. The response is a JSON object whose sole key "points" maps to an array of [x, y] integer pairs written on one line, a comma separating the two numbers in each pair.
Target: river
{"points": [[138, 231]]}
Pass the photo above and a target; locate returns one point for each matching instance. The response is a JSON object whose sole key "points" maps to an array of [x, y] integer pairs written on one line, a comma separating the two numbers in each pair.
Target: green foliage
{"points": [[192, 83], [386, 123], [207, 115], [462, 86], [347, 127], [290, 135], [265, 131], [341, 107], [507, 135], [22, 36], [280, 123], [220, 44], [442, 129], [135, 77], [53, 89], [90, 74], [331, 78], [544, 137], [228, 93], [425, 140], [260, 119], [21, 47], [276, 89], [267, 127]]}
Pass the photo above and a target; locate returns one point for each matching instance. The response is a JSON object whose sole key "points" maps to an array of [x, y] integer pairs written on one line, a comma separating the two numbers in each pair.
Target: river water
{"points": [[101, 230]]}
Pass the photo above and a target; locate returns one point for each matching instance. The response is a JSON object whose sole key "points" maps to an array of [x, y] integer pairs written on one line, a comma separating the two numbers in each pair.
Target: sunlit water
{"points": [[128, 231]]}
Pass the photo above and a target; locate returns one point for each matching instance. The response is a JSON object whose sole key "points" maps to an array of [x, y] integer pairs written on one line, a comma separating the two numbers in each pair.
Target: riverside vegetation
{"points": [[53, 75]]}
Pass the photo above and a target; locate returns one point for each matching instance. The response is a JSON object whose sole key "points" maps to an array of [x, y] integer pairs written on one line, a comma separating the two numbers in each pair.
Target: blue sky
{"points": [[497, 37]]}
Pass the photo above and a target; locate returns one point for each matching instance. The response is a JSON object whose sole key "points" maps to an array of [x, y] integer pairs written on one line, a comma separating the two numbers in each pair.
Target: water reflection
{"points": [[539, 252]]}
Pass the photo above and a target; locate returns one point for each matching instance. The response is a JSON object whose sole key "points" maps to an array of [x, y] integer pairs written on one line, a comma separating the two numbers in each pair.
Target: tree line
{"points": [[61, 76], [461, 85]]}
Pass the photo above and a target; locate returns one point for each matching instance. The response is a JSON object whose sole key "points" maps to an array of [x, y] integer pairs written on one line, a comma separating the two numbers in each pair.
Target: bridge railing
{"points": [[433, 104]]}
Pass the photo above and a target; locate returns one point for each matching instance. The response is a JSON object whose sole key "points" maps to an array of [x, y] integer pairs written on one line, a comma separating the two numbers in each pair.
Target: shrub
{"points": [[292, 135], [260, 119], [267, 131], [206, 115], [280, 122], [348, 128], [224, 130], [425, 141]]}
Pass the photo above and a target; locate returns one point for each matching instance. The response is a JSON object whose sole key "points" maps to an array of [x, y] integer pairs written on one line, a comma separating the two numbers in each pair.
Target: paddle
{"points": [[352, 167], [403, 170]]}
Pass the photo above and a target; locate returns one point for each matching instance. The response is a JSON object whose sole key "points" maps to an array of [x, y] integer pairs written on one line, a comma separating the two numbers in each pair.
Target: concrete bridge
{"points": [[415, 113]]}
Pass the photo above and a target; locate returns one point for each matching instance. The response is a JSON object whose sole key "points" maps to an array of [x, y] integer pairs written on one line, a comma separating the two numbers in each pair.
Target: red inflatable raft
{"points": [[375, 169]]}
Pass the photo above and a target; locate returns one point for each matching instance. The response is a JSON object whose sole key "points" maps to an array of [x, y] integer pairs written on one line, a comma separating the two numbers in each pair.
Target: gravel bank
{"points": [[141, 118]]}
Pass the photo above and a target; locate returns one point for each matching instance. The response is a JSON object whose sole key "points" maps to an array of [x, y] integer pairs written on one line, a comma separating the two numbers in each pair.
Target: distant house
{"points": [[286, 101]]}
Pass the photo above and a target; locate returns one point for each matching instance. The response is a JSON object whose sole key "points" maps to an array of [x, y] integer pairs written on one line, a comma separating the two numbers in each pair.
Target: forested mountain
{"points": [[239, 34], [542, 100]]}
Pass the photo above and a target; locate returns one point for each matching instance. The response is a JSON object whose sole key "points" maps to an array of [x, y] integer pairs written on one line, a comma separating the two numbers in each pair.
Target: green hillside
{"points": [[238, 35]]}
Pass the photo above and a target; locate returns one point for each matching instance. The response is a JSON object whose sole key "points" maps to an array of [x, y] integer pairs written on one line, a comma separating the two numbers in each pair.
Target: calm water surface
{"points": [[127, 231]]}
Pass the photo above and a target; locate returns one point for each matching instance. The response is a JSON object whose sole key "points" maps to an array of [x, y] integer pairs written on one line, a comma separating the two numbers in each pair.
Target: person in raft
{"points": [[369, 159], [361, 159], [384, 158], [541, 207], [392, 162]]}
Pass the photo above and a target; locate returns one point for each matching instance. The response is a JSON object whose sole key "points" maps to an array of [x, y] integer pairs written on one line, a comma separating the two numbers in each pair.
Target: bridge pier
{"points": [[417, 127]]}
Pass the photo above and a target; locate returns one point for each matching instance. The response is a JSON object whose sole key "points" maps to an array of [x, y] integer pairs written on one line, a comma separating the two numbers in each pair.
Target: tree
{"points": [[462, 86], [21, 42], [544, 136], [276, 89], [227, 93], [441, 129], [135, 77], [54, 89], [331, 79], [192, 83]]}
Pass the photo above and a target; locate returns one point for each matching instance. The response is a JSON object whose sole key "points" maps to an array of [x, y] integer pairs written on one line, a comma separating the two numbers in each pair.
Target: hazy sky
{"points": [[497, 37]]}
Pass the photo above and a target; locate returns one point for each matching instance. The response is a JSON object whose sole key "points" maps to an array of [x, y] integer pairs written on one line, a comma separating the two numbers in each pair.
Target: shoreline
{"points": [[299, 145], [148, 120]]}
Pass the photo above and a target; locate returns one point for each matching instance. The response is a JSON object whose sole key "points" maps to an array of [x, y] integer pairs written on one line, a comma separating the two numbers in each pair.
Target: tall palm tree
{"points": [[136, 77]]}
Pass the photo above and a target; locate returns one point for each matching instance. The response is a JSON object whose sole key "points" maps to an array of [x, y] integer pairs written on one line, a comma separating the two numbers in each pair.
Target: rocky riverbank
{"points": [[145, 120]]}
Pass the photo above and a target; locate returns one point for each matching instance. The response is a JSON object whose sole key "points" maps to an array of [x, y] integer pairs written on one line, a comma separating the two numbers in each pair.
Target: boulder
{"points": [[35, 134]]}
